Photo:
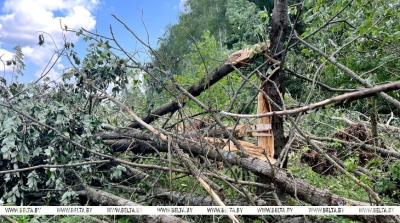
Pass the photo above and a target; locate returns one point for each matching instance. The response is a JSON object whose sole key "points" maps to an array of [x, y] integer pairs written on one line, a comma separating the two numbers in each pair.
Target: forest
{"points": [[243, 103]]}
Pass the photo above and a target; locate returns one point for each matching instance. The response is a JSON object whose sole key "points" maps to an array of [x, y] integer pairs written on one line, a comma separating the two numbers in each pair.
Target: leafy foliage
{"points": [[248, 22], [25, 143]]}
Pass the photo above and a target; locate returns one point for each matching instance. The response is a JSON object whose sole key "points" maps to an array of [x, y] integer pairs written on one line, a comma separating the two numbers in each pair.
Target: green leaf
{"points": [[309, 3], [37, 152]]}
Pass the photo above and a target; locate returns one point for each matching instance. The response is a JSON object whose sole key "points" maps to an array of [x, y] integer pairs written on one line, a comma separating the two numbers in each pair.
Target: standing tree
{"points": [[274, 84]]}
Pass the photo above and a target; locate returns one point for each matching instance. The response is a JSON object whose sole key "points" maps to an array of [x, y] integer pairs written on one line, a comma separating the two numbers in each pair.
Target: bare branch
{"points": [[55, 166], [353, 95], [196, 89], [350, 72], [319, 83]]}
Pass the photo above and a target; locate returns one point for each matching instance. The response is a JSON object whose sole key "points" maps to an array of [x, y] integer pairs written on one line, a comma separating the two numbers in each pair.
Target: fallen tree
{"points": [[279, 177]]}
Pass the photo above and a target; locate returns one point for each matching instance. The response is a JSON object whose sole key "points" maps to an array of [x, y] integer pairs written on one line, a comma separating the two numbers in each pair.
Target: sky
{"points": [[21, 22]]}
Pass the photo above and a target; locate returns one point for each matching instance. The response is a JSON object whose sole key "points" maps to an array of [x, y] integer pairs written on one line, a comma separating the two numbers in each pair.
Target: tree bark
{"points": [[279, 26], [275, 86]]}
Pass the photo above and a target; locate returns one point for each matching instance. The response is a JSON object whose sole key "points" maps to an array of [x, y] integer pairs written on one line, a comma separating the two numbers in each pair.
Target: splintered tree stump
{"points": [[263, 131], [253, 150], [266, 138]]}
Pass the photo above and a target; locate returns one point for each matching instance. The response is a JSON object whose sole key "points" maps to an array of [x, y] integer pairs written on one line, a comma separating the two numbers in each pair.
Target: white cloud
{"points": [[43, 58], [21, 22], [60, 66], [183, 7]]}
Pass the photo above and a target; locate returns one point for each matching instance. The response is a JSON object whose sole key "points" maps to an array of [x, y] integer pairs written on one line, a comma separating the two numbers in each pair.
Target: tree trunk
{"points": [[279, 26], [275, 86]]}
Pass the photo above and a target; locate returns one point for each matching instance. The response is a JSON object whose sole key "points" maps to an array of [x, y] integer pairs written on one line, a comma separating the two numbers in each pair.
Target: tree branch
{"points": [[196, 89], [319, 83], [353, 95], [55, 166], [350, 72]]}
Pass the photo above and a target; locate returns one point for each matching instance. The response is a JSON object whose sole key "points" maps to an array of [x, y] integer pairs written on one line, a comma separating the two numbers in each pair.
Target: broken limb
{"points": [[348, 96], [196, 89]]}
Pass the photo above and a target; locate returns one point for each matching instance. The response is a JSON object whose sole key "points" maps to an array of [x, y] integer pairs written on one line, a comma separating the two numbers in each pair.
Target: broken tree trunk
{"points": [[237, 59], [265, 134], [286, 182], [253, 150], [274, 84]]}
